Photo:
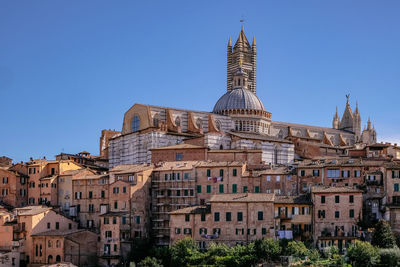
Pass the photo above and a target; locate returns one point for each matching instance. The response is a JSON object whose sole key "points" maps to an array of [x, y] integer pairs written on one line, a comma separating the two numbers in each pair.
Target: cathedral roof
{"points": [[239, 98]]}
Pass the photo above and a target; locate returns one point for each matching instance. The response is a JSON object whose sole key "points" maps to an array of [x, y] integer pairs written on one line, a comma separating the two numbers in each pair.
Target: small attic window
{"points": [[135, 123]]}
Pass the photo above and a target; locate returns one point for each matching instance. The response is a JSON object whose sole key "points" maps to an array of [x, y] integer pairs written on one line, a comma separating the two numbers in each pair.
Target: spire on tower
{"points": [[229, 42], [254, 41]]}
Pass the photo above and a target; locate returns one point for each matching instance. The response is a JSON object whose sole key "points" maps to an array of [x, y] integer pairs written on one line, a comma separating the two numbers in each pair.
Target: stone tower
{"points": [[242, 55], [369, 134], [336, 120], [350, 122]]}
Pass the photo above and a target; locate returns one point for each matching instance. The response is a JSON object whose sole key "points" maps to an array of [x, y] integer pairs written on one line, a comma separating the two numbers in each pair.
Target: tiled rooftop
{"points": [[244, 197], [334, 189]]}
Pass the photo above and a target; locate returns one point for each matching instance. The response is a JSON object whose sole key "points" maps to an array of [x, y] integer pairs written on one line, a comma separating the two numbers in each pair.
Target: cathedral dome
{"points": [[238, 98]]}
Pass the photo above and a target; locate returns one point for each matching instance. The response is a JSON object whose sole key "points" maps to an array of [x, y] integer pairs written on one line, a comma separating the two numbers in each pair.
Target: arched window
{"points": [[199, 123], [276, 153], [221, 147], [135, 123], [218, 125], [57, 243], [37, 250], [178, 121], [58, 258], [49, 244], [156, 119]]}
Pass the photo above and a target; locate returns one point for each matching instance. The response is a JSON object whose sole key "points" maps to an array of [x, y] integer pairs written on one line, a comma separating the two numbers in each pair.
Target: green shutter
{"points": [[208, 173], [234, 188], [199, 189], [257, 189], [221, 172], [244, 189], [221, 188], [208, 188], [234, 172]]}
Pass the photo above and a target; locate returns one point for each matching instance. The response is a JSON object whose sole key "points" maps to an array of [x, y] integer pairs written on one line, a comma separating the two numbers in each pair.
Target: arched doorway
{"points": [[58, 258], [50, 259]]}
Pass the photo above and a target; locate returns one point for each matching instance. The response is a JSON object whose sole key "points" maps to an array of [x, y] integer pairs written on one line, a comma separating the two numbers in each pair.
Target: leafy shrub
{"points": [[390, 256], [363, 254]]}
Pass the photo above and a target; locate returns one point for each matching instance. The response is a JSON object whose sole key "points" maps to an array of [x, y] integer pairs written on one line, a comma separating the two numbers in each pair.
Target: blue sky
{"points": [[69, 69]]}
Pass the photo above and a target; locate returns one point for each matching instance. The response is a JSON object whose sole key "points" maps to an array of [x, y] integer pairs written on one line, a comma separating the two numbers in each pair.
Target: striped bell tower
{"points": [[242, 53]]}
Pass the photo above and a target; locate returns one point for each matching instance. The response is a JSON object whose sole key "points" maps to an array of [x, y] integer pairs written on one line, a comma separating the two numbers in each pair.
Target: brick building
{"points": [[336, 211]]}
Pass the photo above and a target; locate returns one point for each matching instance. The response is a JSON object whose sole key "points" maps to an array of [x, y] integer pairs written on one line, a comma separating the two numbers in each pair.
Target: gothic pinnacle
{"points": [[229, 42]]}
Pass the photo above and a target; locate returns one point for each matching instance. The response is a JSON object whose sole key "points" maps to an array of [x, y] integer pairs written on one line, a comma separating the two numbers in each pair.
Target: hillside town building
{"points": [[232, 175]]}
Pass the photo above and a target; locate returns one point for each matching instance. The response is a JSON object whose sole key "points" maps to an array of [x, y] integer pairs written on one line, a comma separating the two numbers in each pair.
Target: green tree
{"points": [[297, 249], [363, 254], [383, 236], [267, 249], [389, 257], [150, 262], [183, 252]]}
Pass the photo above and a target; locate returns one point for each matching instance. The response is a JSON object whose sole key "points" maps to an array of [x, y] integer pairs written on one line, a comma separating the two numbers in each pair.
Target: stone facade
{"points": [[230, 218], [336, 213]]}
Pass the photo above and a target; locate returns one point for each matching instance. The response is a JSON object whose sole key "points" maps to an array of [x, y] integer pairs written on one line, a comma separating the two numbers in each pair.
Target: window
{"points": [[337, 199], [302, 173], [221, 188], [396, 187], [228, 216], [351, 199], [254, 231], [221, 172], [185, 192], [345, 174], [278, 178], [115, 190], [48, 225], [351, 213], [257, 189], [321, 214], [322, 199], [108, 234], [357, 173], [203, 231], [244, 189], [208, 188], [208, 173], [137, 219], [106, 220], [315, 173], [123, 220], [115, 247], [203, 217], [130, 178], [260, 215], [198, 189], [333, 173], [91, 207], [337, 214], [240, 216], [177, 231], [124, 189], [90, 194], [234, 188], [186, 175], [264, 231], [135, 123], [268, 178], [116, 205], [103, 194], [179, 157], [191, 192], [216, 216], [178, 193], [217, 231], [234, 172], [57, 225], [187, 217]]}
